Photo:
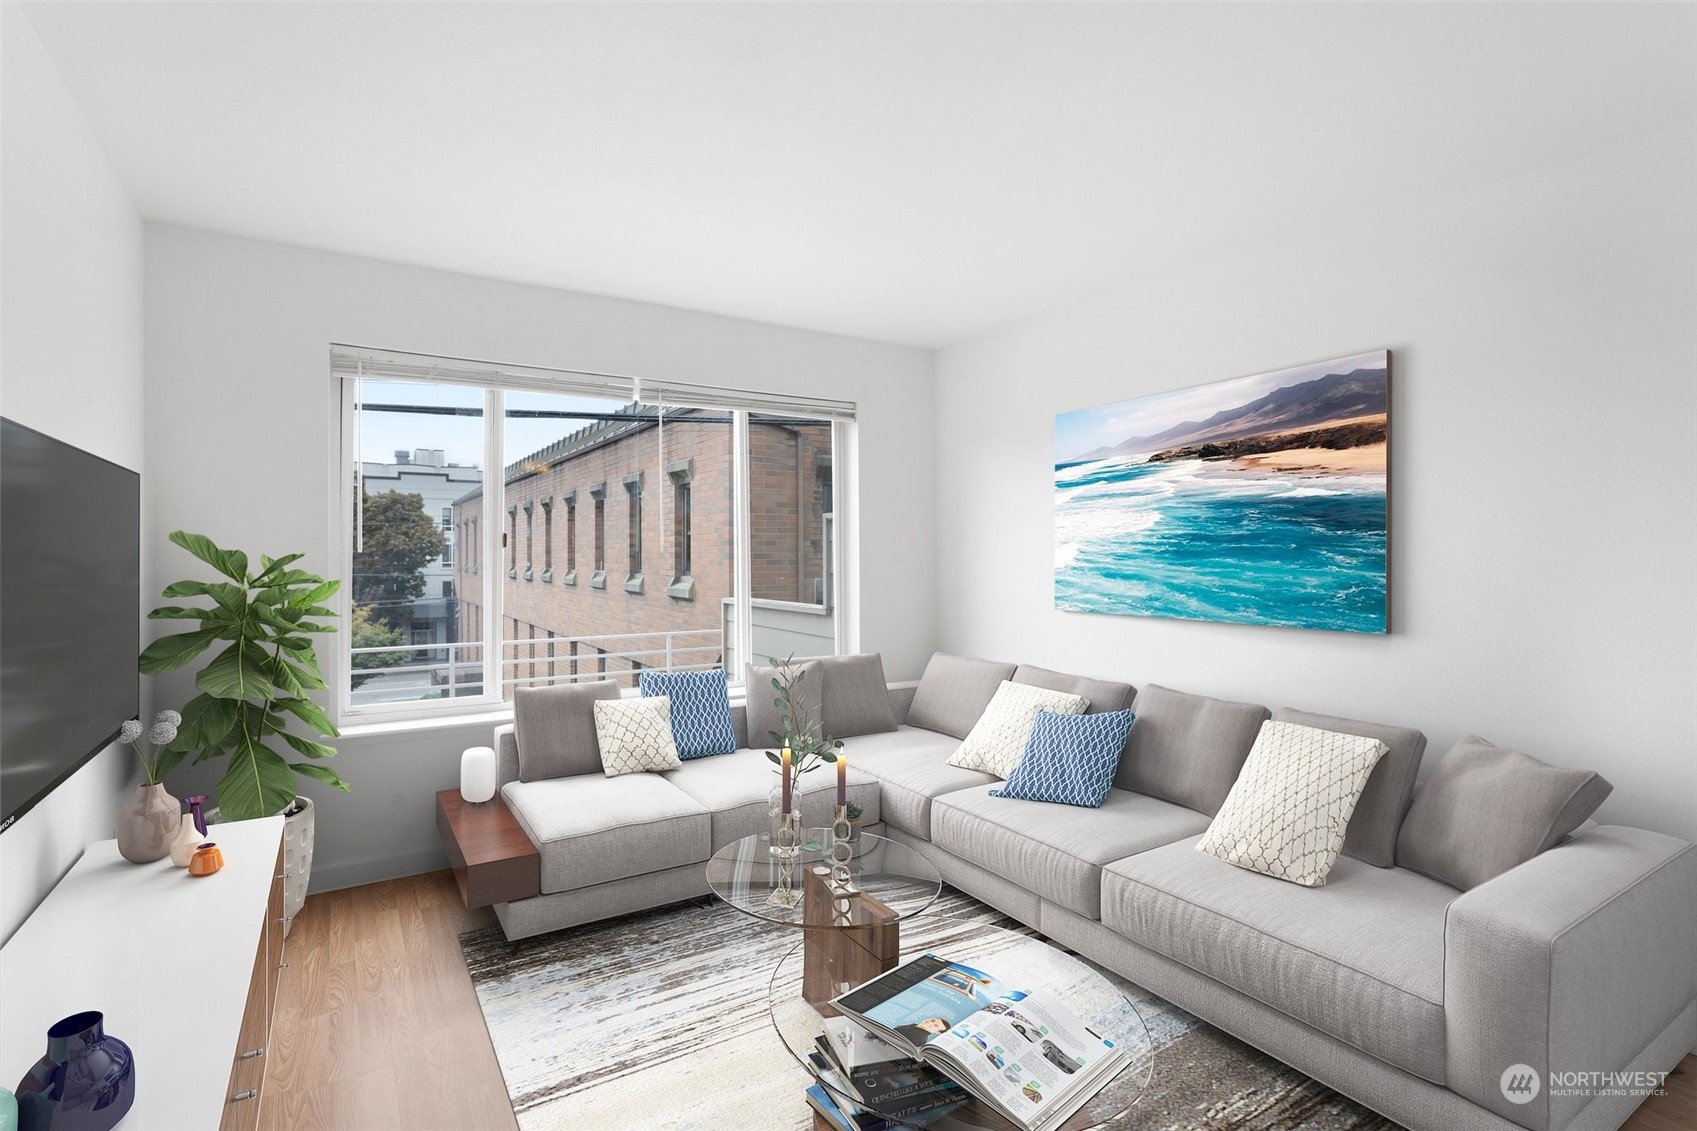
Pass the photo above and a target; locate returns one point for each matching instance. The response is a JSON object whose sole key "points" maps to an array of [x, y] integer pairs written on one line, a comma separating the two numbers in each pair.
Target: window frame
{"points": [[484, 542]]}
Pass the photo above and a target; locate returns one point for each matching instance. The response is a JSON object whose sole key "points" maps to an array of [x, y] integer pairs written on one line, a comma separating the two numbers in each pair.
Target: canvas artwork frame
{"points": [[1255, 500]]}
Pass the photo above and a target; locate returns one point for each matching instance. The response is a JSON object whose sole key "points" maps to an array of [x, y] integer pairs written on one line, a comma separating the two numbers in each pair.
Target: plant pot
{"points": [[147, 823], [298, 834]]}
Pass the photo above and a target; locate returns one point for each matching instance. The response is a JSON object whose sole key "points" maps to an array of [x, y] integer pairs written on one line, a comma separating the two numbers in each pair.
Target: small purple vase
{"points": [[86, 1082]]}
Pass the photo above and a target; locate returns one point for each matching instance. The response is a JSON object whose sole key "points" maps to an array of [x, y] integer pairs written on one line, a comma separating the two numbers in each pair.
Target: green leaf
{"points": [[309, 713], [775, 760], [317, 611], [305, 675], [167, 761], [207, 721], [238, 672], [320, 773], [190, 588], [183, 612], [299, 645], [308, 747], [258, 782], [283, 676], [308, 626], [171, 652], [273, 565], [315, 595], [231, 563]]}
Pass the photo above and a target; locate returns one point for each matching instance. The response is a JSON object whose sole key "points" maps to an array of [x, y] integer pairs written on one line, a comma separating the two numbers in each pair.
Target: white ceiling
{"points": [[910, 172]]}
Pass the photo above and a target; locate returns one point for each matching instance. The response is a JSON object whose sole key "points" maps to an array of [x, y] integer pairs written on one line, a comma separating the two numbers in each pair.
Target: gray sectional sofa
{"points": [[1409, 995]]}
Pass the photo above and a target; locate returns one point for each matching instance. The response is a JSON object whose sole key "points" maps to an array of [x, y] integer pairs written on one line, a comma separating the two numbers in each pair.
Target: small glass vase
{"points": [[147, 823], [784, 840]]}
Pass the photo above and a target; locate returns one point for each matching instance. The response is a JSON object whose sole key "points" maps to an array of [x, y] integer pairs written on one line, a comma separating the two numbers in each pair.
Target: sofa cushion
{"points": [[1486, 809], [554, 728], [1188, 749], [997, 741], [912, 765], [764, 718], [1102, 695], [735, 790], [1070, 759], [1286, 815], [856, 698], [635, 735], [1384, 802], [591, 829], [1056, 851], [954, 691], [701, 710], [1361, 958]]}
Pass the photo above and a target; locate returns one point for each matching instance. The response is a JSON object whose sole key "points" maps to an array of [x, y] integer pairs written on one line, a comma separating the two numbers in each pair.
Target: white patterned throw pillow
{"points": [[997, 740], [1287, 812], [635, 735]]}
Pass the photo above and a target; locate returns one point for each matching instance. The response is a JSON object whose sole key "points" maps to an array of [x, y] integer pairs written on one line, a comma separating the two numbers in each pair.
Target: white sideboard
{"points": [[184, 968]]}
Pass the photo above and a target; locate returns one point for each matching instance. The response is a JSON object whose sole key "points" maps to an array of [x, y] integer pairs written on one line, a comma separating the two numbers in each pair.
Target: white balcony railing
{"points": [[444, 671]]}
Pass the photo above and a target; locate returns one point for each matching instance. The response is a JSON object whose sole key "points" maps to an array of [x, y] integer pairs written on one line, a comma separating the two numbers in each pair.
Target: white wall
{"points": [[1543, 524], [70, 366], [242, 422]]}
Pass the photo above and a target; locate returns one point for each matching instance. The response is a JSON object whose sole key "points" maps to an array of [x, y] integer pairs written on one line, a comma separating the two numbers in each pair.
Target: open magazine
{"points": [[1022, 1053]]}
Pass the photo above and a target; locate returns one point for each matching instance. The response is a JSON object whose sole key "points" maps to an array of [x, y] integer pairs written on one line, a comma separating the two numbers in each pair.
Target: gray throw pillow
{"points": [[1486, 809], [1384, 802], [1188, 749], [953, 693], [1104, 696], [555, 729], [763, 715], [857, 700]]}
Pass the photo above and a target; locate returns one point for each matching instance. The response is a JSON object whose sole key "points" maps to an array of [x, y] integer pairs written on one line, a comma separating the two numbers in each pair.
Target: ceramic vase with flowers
{"points": [[149, 819]]}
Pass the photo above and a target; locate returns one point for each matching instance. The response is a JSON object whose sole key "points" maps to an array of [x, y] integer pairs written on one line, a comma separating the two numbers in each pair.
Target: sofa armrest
{"points": [[1570, 962], [901, 698], [506, 756]]}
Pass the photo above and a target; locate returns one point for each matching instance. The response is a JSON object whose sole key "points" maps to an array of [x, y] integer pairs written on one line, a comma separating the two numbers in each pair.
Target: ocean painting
{"points": [[1259, 500]]}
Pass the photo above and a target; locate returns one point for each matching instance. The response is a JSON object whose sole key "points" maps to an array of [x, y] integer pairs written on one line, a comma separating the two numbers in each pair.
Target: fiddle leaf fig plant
{"points": [[255, 687]]}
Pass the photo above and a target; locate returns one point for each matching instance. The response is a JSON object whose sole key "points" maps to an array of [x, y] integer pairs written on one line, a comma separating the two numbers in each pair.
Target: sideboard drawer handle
{"points": [[251, 1053], [283, 876], [247, 1095]]}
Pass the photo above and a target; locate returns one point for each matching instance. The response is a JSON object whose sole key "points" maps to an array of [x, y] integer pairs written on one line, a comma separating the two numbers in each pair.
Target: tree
{"points": [[366, 633], [400, 540]]}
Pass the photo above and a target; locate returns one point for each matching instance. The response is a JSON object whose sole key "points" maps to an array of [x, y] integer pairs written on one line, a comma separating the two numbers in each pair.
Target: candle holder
{"points": [[842, 879], [786, 850]]}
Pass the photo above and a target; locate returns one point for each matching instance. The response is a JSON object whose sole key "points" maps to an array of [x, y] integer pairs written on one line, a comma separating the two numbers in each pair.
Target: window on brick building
{"points": [[633, 499], [740, 527]]}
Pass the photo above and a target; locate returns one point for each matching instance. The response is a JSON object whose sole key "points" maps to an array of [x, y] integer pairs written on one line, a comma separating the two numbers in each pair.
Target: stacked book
{"points": [[932, 1037]]}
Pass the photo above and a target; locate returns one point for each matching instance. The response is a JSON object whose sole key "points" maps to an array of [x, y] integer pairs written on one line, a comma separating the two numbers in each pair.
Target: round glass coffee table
{"points": [[1021, 961], [749, 876], [851, 911]]}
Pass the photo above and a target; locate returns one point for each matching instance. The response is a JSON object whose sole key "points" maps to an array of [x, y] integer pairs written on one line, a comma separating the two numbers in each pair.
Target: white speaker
{"points": [[477, 774]]}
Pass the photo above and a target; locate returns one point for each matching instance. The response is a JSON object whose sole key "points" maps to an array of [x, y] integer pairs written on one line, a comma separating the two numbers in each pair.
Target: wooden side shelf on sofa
{"points": [[492, 857]]}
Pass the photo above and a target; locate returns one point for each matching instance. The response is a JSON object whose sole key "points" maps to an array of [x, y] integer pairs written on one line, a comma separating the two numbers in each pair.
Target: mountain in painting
{"points": [[1336, 396]]}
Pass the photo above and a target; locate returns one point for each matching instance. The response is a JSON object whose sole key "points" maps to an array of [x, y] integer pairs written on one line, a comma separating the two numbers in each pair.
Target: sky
{"points": [[1086, 429]]}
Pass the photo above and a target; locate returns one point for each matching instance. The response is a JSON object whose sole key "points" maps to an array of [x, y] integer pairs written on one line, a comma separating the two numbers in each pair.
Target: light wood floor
{"points": [[377, 1027]]}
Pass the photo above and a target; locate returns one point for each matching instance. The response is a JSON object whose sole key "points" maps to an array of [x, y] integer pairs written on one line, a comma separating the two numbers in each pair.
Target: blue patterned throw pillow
{"points": [[1070, 759], [701, 710]]}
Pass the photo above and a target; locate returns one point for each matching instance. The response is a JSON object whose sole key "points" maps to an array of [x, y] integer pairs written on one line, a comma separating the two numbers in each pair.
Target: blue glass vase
{"points": [[86, 1082]]}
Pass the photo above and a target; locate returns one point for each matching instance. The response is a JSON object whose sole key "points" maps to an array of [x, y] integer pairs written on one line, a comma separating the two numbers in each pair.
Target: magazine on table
{"points": [[1021, 1052], [897, 1104]]}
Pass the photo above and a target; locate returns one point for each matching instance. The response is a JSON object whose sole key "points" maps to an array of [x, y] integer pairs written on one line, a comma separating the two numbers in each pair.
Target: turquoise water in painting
{"points": [[1197, 541]]}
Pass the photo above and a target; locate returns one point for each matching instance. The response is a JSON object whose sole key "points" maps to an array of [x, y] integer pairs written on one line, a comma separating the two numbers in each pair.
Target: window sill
{"points": [[570, 578], [513, 574], [633, 583], [548, 574], [529, 574], [598, 579], [682, 589]]}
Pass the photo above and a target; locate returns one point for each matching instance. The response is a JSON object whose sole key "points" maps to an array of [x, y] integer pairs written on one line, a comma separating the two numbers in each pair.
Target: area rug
{"points": [[659, 1020]]}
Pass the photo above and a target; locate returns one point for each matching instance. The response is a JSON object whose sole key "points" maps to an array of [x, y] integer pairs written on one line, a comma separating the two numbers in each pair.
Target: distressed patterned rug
{"points": [[658, 1020]]}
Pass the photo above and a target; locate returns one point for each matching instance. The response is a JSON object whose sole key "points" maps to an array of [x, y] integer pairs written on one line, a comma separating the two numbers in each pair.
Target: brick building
{"points": [[618, 547]]}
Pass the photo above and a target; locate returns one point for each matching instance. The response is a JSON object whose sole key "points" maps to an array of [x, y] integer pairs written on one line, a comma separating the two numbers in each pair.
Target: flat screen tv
{"points": [[70, 601]]}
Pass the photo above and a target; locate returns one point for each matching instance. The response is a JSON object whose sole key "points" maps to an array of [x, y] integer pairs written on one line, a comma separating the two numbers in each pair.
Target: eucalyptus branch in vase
{"points": [[802, 737]]}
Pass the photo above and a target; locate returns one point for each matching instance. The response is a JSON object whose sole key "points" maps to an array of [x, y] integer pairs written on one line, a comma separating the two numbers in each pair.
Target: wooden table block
{"points": [[493, 859], [843, 948]]}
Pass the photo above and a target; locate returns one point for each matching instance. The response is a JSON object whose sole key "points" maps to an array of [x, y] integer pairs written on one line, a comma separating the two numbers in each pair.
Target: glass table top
{"points": [[749, 876], [1021, 961]]}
